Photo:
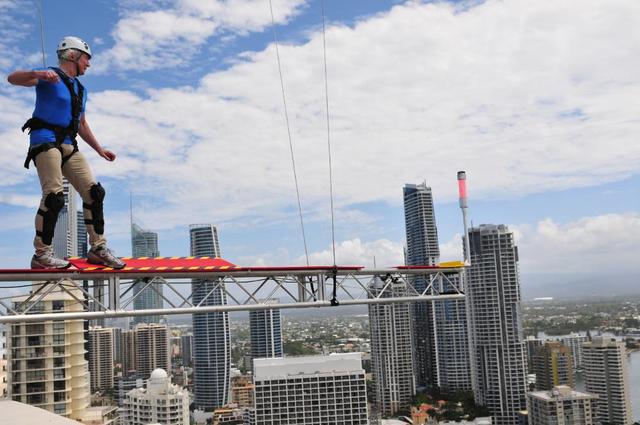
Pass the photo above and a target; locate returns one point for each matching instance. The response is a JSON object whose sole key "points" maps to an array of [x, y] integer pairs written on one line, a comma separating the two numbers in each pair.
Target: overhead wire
{"points": [[40, 13], [326, 97], [286, 116]]}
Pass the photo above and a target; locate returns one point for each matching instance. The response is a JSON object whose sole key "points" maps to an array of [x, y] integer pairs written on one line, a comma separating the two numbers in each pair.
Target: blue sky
{"points": [[538, 101]]}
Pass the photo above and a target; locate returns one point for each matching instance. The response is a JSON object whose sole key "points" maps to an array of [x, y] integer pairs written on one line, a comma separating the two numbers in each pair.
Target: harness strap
{"points": [[61, 133]]}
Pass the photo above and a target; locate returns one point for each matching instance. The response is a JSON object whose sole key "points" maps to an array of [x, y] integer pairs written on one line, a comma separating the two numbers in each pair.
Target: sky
{"points": [[538, 101]]}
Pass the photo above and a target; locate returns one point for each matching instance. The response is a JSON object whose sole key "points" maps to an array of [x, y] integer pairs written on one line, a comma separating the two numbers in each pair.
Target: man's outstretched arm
{"points": [[87, 135], [30, 78]]}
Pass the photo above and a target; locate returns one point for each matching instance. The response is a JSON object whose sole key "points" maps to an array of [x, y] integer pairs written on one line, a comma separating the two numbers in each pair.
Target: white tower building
{"points": [[160, 402], [101, 358], [495, 323], [561, 406], [310, 390], [46, 365], [391, 350], [65, 237], [606, 375]]}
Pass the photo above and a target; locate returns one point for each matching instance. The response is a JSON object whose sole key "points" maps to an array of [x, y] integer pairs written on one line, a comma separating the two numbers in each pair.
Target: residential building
{"points": [[46, 365], [211, 339], [82, 240], [125, 383], [229, 415], [242, 391], [148, 295], [266, 332], [145, 348], [159, 402], [310, 390], [439, 327], [65, 237], [422, 249], [495, 323], [553, 366], [606, 375], [3, 376], [101, 358], [532, 344], [574, 342], [186, 349], [561, 406], [101, 415], [391, 349]]}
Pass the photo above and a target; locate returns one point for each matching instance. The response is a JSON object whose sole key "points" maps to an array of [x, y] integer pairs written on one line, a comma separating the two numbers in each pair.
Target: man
{"points": [[57, 119]]}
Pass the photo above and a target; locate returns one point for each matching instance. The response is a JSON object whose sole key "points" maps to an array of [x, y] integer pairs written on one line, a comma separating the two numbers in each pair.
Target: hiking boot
{"points": [[103, 256], [49, 261]]}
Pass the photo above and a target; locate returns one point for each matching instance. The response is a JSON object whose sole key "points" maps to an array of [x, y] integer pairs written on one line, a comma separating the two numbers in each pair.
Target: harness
{"points": [[35, 123]]}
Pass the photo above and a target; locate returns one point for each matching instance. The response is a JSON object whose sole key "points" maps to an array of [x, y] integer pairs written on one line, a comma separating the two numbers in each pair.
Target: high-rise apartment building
{"points": [[101, 358], [606, 375], [391, 349], [145, 348], [211, 340], [266, 333], [186, 349], [46, 365], [532, 344], [160, 402], [574, 342], [144, 243], [495, 323], [439, 327], [310, 390], [553, 366], [561, 406], [65, 236], [82, 240]]}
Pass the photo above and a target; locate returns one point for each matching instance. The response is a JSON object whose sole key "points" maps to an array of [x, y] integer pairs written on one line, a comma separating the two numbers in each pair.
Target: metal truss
{"points": [[109, 295]]}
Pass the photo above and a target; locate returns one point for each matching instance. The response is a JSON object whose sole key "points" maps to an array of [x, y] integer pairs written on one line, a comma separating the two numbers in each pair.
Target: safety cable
{"points": [[286, 117], [40, 13], [326, 97]]}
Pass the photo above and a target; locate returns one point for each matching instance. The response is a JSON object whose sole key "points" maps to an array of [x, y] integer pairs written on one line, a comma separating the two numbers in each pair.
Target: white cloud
{"points": [[356, 252], [167, 37], [589, 245]]}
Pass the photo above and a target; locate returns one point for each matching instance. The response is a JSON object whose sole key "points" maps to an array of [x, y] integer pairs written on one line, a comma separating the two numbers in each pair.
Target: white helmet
{"points": [[71, 42]]}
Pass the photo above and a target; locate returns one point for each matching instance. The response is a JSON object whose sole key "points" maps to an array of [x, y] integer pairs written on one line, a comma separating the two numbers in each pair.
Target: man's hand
{"points": [[107, 154], [47, 75]]}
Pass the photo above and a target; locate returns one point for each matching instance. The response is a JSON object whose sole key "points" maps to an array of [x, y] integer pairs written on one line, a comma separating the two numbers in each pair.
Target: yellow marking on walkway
{"points": [[224, 267], [194, 267], [128, 268], [204, 258], [162, 268], [159, 258], [126, 258], [209, 267], [189, 258], [108, 268], [144, 268], [174, 258], [177, 268], [91, 268]]}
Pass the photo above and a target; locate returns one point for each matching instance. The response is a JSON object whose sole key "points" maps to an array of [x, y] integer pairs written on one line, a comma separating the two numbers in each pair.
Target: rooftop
{"points": [[280, 367]]}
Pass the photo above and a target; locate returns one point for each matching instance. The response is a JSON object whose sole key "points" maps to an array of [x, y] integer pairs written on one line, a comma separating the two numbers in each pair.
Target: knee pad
{"points": [[97, 214], [54, 203]]}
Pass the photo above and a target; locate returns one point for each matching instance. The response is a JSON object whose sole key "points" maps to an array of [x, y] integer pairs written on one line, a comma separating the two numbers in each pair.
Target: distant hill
{"points": [[586, 285]]}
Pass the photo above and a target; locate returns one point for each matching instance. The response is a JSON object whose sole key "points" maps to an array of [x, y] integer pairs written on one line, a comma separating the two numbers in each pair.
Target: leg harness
{"points": [[54, 203], [97, 208]]}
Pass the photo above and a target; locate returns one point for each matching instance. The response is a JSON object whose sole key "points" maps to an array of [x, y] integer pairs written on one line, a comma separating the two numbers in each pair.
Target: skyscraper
{"points": [[391, 349], [439, 327], [144, 243], [561, 405], [532, 344], [266, 333], [552, 364], [606, 375], [311, 390], [495, 323], [82, 244], [422, 249], [211, 340], [101, 358], [574, 342], [66, 231], [46, 364], [145, 348]]}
